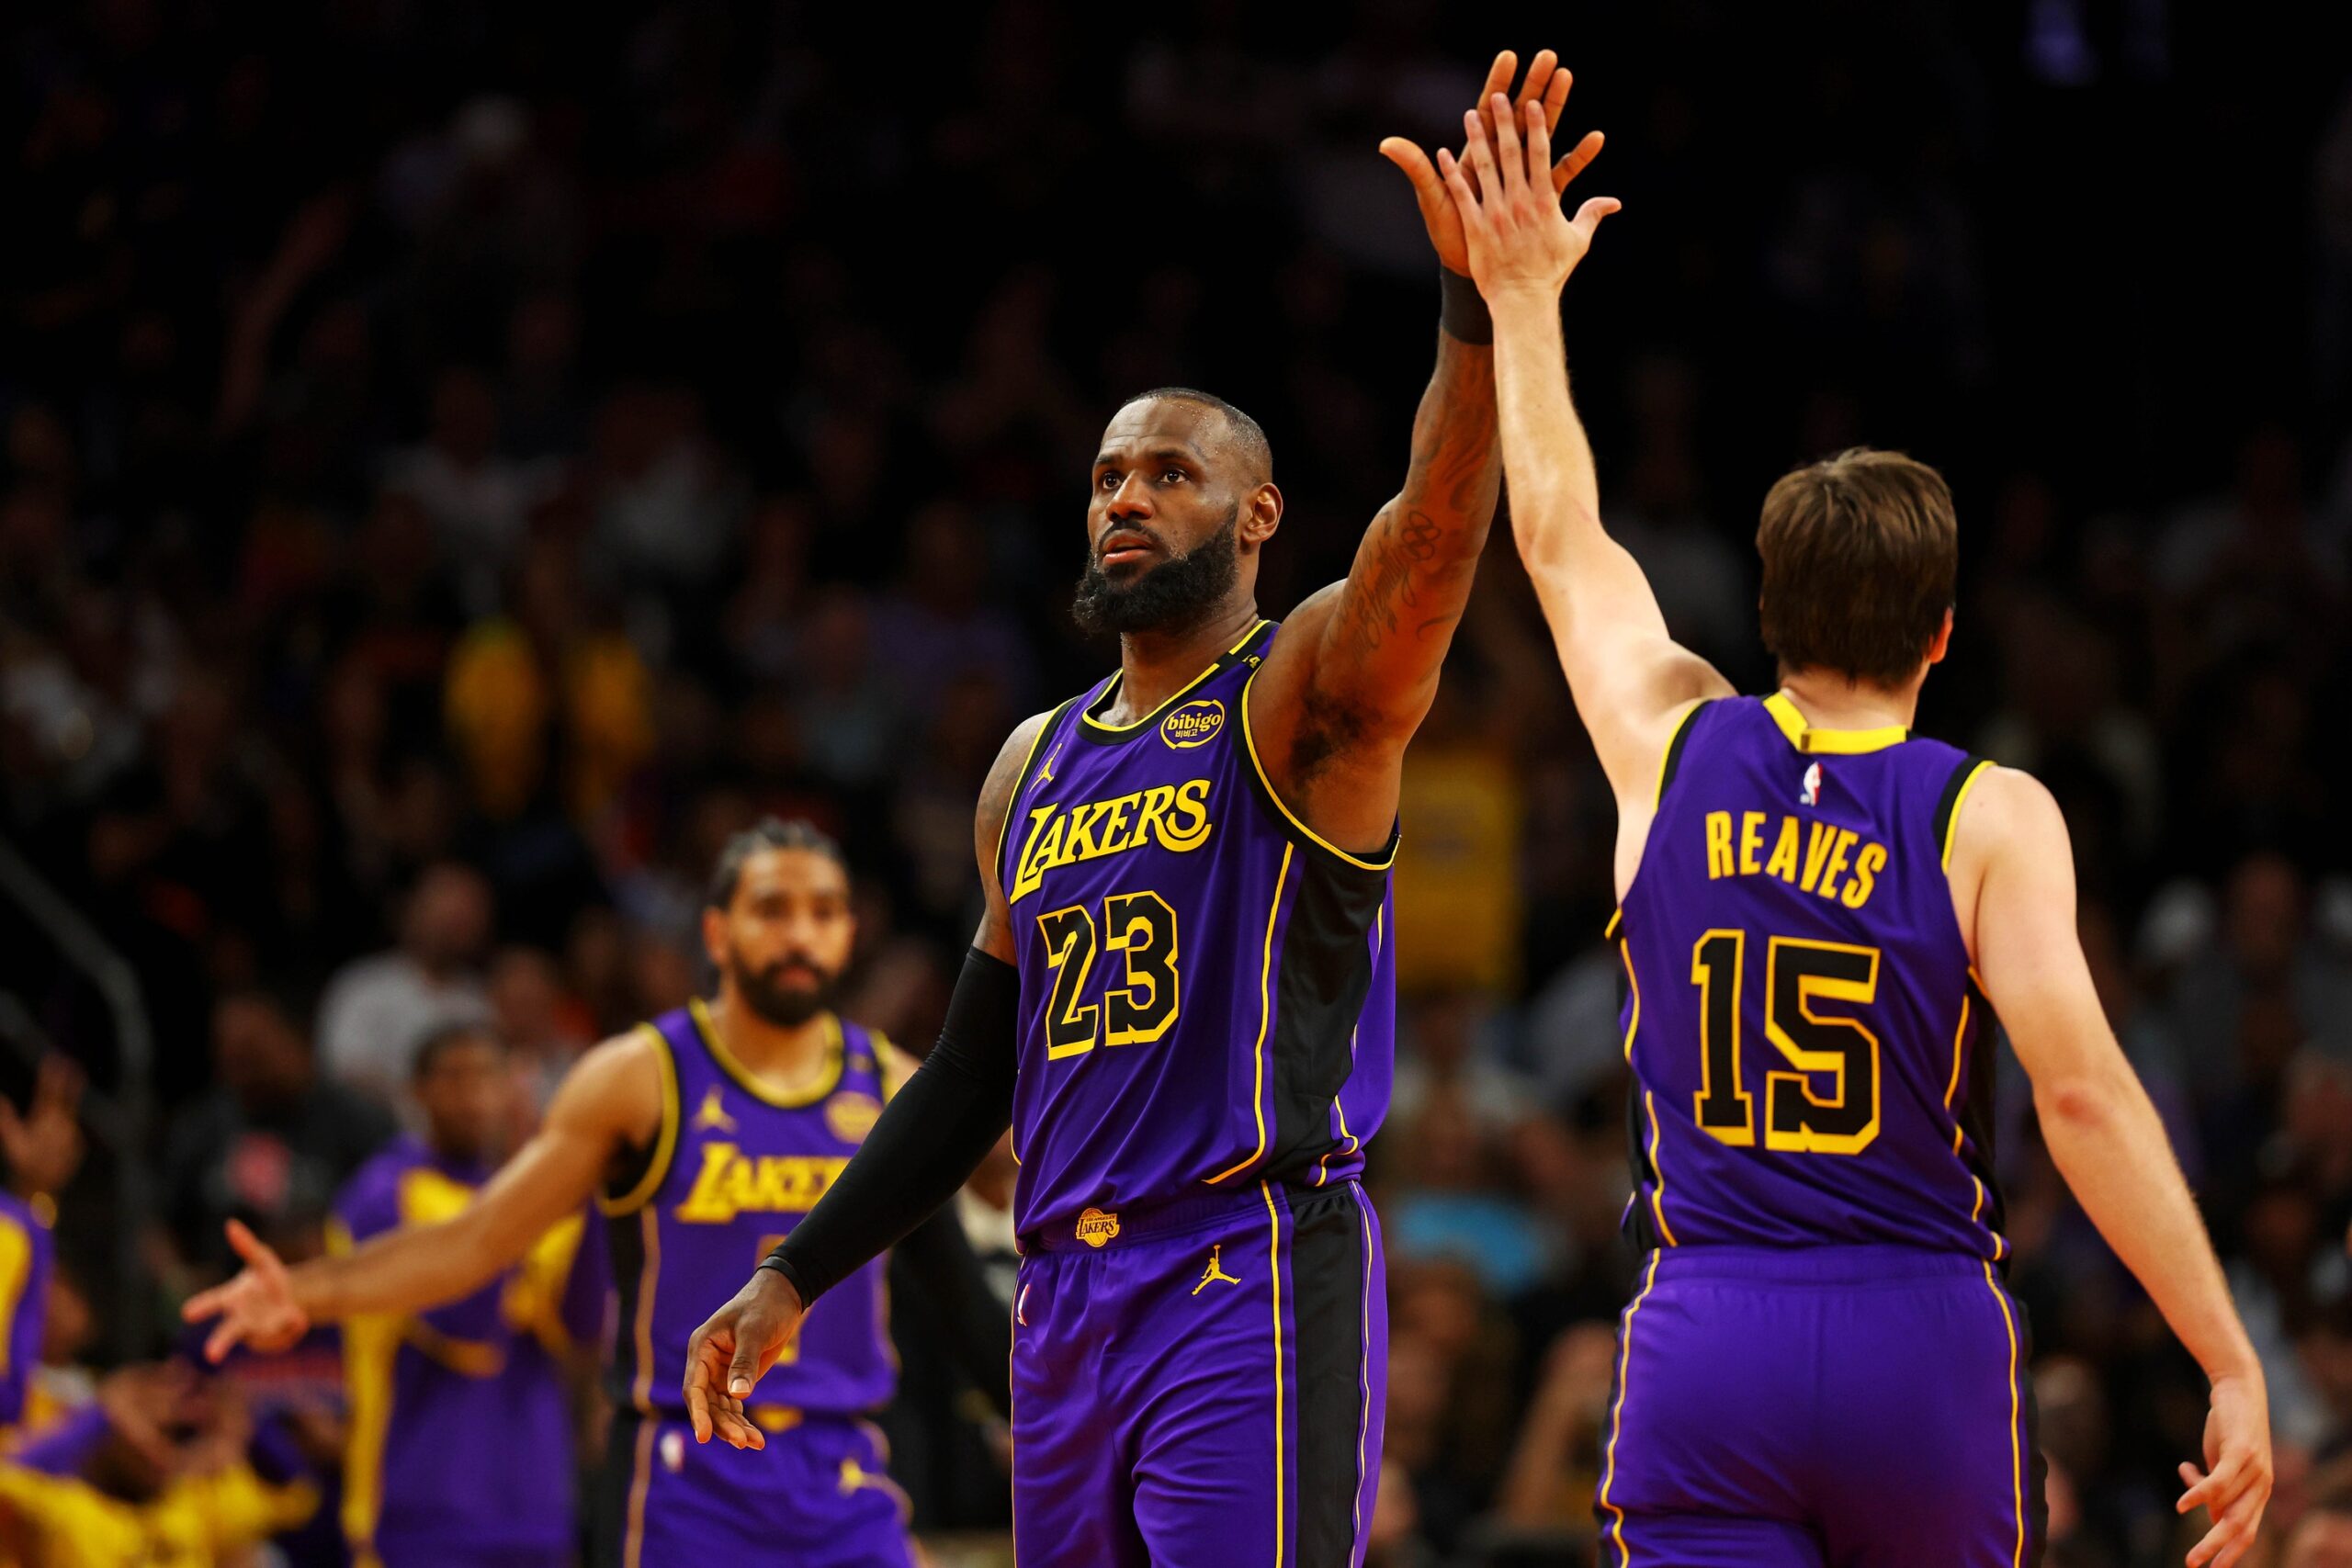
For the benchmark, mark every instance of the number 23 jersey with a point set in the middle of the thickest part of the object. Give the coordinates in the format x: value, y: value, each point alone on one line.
x: 1812, y: 1058
x: 1207, y: 990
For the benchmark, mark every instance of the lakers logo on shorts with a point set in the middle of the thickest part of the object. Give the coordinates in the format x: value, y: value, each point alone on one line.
x: 1096, y: 1228
x: 1194, y: 724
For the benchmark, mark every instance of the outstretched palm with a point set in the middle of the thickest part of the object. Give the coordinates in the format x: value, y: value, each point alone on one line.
x: 1545, y: 86
x: 1515, y: 233
x: 256, y: 1308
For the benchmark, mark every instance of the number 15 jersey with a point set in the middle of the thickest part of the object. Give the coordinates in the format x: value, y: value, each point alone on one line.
x: 1812, y: 1058
x: 1207, y: 990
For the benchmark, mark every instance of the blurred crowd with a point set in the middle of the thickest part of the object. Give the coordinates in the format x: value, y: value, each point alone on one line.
x: 462, y: 462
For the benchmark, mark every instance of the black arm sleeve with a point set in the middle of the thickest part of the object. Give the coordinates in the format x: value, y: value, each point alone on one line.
x: 973, y: 1325
x: 931, y: 1138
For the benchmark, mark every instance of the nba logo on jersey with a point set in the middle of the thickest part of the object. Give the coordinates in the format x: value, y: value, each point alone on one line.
x: 1812, y: 796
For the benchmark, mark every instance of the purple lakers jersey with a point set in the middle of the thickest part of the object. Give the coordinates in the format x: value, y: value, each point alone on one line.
x: 1811, y: 1059
x: 460, y: 1416
x: 733, y: 1169
x: 1207, y: 990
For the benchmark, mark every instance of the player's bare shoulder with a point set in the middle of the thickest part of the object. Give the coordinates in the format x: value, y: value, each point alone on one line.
x: 615, y: 1090
x: 1004, y: 778
x: 2006, y: 822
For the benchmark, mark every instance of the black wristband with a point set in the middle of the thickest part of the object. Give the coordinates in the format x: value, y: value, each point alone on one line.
x: 777, y: 1262
x: 1462, y: 311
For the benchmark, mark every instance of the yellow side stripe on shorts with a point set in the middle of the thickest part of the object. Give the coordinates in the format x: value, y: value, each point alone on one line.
x: 2016, y: 1453
x: 1275, y: 1269
x: 1617, y: 1417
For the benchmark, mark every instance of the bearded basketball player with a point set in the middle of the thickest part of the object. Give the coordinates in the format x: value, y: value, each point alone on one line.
x: 1181, y: 996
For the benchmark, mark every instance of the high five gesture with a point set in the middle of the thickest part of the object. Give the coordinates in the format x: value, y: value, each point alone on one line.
x: 1514, y: 234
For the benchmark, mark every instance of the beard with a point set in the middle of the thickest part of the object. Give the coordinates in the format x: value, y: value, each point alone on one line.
x: 1174, y: 593
x: 779, y: 998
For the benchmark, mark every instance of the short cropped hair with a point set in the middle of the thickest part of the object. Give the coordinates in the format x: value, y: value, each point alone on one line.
x: 439, y: 1041
x: 1249, y: 435
x: 767, y: 834
x: 1860, y: 554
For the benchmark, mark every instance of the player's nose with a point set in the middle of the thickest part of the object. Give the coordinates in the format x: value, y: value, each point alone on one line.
x: 1131, y: 501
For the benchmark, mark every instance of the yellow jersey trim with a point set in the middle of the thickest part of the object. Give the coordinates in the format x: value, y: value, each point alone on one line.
x: 1086, y: 713
x: 1649, y: 1100
x: 1021, y: 779
x: 370, y: 1343
x: 1951, y: 825
x: 750, y: 1084
x: 665, y: 1141
x: 1617, y: 1417
x: 1832, y: 742
x: 1249, y: 743
x: 1265, y: 1017
x: 1673, y: 743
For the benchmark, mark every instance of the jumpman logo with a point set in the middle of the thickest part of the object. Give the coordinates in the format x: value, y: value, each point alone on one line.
x: 1046, y: 774
x: 1214, y: 1271
x: 712, y: 1116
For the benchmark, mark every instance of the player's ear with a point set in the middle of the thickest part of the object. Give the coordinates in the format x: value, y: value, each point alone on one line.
x: 1262, y: 514
x: 1942, y: 643
x: 714, y: 935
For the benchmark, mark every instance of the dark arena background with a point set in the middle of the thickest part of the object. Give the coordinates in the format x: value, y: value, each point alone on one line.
x: 462, y: 462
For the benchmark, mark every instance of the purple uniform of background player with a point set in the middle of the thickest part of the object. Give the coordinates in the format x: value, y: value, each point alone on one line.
x: 1811, y: 1071
x: 26, y: 1250
x: 1207, y: 1032
x: 735, y: 1168
x: 461, y: 1415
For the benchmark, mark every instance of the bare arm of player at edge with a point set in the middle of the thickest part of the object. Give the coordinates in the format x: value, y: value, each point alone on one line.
x: 610, y: 1101
x: 2012, y: 871
x: 1339, y: 697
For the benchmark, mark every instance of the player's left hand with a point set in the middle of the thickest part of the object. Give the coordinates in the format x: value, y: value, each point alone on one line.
x: 1545, y: 84
x: 1517, y: 238
x: 2234, y: 1485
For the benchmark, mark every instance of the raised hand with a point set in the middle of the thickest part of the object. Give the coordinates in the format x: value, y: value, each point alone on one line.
x: 1546, y: 84
x: 732, y: 1351
x: 1515, y: 233
x: 2234, y: 1485
x: 256, y: 1308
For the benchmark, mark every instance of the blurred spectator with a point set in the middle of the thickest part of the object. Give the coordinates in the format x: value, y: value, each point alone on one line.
x: 271, y: 1143
x: 376, y: 1010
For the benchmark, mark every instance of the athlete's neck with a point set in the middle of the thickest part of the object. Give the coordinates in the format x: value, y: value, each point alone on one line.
x: 1829, y: 701
x: 1156, y: 665
x: 787, y: 1057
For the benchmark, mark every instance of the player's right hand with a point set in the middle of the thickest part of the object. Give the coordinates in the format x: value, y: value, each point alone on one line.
x: 2234, y: 1485
x: 1517, y: 236
x: 256, y: 1308
x: 732, y: 1352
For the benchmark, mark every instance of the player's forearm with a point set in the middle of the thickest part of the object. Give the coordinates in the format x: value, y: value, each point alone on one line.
x: 1411, y: 577
x: 1554, y: 491
x: 401, y: 1271
x: 931, y: 1136
x: 2110, y: 1147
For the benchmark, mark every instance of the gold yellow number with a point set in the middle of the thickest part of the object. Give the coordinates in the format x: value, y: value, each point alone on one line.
x: 1070, y: 954
x: 1799, y: 1117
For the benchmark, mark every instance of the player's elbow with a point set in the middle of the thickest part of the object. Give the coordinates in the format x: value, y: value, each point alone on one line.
x: 2084, y: 1103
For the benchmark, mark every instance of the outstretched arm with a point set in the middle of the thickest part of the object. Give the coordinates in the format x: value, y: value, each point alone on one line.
x: 1356, y: 670
x: 2103, y: 1132
x: 929, y: 1139
x: 610, y: 1100
x: 1631, y: 680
